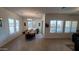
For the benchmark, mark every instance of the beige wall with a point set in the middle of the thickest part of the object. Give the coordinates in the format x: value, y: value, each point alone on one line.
x: 43, y: 18
x: 49, y: 17
x: 5, y: 36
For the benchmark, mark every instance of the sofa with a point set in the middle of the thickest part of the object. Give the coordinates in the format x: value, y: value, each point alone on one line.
x: 75, y: 39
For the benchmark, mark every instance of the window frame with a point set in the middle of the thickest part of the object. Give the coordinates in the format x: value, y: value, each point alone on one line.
x: 56, y: 26
x: 76, y: 26
x: 51, y: 27
x: 17, y: 26
x: 29, y: 20
x: 15, y: 30
x: 63, y: 27
x: 71, y: 26
x: 11, y: 26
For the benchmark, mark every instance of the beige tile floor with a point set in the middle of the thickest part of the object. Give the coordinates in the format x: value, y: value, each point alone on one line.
x: 39, y: 44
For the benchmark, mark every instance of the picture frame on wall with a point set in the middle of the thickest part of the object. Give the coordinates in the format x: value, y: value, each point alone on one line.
x: 46, y: 25
x: 0, y: 22
x: 24, y: 23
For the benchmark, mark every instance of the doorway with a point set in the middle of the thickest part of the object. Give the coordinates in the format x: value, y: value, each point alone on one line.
x: 35, y: 24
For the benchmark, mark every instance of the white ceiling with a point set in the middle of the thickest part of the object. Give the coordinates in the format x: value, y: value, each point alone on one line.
x: 39, y: 11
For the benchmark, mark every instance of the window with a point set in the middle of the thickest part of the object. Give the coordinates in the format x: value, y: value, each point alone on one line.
x: 11, y: 26
x: 59, y: 26
x: 74, y: 26
x: 70, y: 26
x: 29, y: 23
x: 17, y: 25
x: 67, y: 26
x: 56, y: 26
x: 53, y: 26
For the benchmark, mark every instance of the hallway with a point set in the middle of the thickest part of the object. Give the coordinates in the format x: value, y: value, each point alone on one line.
x: 38, y: 44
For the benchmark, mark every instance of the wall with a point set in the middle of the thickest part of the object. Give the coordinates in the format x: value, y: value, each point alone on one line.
x: 5, y: 36
x: 24, y: 20
x: 36, y: 25
x: 49, y: 17
x: 43, y: 18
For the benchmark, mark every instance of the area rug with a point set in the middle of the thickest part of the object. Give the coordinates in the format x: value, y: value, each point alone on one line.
x: 71, y: 46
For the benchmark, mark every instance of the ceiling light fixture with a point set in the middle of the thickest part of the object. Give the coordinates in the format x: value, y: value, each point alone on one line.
x: 63, y: 7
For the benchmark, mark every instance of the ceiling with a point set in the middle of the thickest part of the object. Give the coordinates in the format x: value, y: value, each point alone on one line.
x: 39, y: 11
